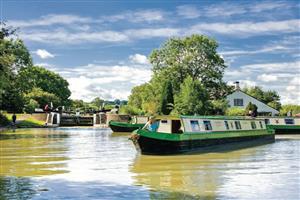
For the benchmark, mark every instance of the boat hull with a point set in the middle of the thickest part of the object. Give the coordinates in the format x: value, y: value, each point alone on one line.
x: 124, y: 127
x: 155, y: 146
x: 285, y: 129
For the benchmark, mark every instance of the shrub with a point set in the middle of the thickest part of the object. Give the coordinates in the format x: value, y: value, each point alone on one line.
x: 235, y: 111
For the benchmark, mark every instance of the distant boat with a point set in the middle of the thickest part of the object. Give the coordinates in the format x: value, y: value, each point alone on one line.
x: 284, y: 125
x: 193, y: 133
x: 124, y: 126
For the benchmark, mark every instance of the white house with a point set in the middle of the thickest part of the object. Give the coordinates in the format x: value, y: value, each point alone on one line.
x: 241, y: 99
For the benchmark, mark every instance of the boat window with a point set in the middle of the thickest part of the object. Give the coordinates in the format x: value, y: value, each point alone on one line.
x: 207, y: 125
x: 226, y: 125
x: 164, y: 121
x: 267, y: 121
x: 231, y: 124
x: 237, y: 125
x: 253, y: 125
x: 195, y: 125
x: 289, y: 121
x: 261, y: 125
x: 176, y: 126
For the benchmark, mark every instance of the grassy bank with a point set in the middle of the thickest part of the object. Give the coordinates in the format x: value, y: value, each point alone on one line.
x: 23, y: 121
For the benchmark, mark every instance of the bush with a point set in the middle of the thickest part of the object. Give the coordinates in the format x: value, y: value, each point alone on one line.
x: 289, y: 107
x: 235, y: 111
x: 3, y: 120
x: 32, y: 104
x: 130, y: 110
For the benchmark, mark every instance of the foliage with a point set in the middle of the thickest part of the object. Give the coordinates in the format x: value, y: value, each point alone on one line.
x: 250, y: 107
x: 268, y: 97
x: 235, y: 111
x: 31, y: 105
x: 13, y: 100
x: 48, y: 81
x: 42, y: 97
x: 4, y: 121
x: 218, y: 107
x: 97, y: 102
x: 13, y: 56
x: 167, y: 99
x: 192, y: 98
x: 195, y: 56
x: 130, y: 110
x: 289, y: 107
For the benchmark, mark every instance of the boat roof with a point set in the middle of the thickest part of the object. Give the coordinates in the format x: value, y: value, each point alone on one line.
x: 220, y: 117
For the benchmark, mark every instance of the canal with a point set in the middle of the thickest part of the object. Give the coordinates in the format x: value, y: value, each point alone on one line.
x: 94, y: 163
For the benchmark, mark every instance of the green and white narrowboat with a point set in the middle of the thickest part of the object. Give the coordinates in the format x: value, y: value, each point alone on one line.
x: 136, y: 123
x: 192, y: 133
x: 284, y: 125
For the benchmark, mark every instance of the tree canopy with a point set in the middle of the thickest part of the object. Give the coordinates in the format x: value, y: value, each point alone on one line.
x: 269, y: 97
x: 195, y: 56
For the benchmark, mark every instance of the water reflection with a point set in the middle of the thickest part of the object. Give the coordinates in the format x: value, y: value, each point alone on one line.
x: 199, y: 175
x: 33, y: 153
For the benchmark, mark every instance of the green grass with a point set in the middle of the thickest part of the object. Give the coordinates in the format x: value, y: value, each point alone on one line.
x: 30, y: 123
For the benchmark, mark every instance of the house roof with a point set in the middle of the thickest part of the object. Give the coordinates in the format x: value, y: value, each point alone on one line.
x: 253, y: 98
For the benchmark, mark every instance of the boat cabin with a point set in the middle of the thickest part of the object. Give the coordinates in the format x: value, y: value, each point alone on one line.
x: 290, y: 121
x: 204, y: 124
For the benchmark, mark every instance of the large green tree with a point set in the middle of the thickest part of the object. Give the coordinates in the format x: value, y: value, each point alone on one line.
x: 42, y: 97
x: 13, y: 56
x: 195, y: 56
x: 48, y: 81
x: 192, y: 98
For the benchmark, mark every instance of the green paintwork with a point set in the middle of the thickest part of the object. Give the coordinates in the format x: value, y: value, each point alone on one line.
x: 125, y: 124
x: 199, y: 136
x: 272, y: 126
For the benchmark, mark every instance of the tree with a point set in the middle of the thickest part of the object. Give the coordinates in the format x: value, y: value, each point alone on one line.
x: 13, y: 56
x: 31, y: 105
x: 195, y: 56
x: 192, y: 98
x: 167, y: 99
x: 270, y: 98
x: 48, y: 81
x: 42, y: 97
x: 289, y: 107
x: 218, y: 107
x: 97, y: 102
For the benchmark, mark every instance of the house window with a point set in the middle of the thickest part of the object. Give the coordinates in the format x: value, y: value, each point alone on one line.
x: 238, y: 102
x: 237, y: 125
x: 253, y: 125
x: 289, y: 121
x: 195, y: 125
x: 226, y: 125
x: 207, y: 125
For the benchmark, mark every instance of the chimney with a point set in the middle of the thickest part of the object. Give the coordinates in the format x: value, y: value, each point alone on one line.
x: 237, y: 85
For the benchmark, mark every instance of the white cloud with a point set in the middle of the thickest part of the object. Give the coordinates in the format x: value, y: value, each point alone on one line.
x: 188, y: 11
x: 267, y: 78
x: 51, y: 19
x: 281, y: 77
x: 248, y: 28
x: 44, y: 54
x: 138, y: 59
x: 108, y: 82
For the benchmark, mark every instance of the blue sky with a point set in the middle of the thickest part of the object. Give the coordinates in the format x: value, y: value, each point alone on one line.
x: 101, y: 47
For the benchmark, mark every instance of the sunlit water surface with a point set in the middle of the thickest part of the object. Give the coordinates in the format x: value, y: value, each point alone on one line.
x: 94, y: 163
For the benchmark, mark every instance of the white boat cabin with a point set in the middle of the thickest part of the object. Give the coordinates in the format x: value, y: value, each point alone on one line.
x: 290, y: 121
x: 208, y: 124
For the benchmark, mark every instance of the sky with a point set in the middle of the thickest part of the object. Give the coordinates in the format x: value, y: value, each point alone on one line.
x: 101, y: 47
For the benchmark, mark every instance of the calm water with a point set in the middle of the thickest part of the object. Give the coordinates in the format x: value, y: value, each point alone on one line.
x: 91, y: 163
